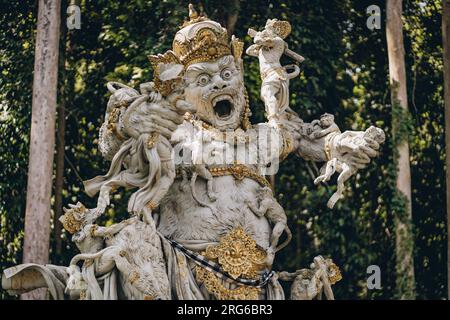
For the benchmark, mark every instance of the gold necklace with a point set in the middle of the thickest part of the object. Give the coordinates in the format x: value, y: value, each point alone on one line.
x: 236, y: 136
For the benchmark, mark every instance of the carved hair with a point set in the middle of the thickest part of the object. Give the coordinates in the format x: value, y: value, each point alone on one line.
x: 280, y: 28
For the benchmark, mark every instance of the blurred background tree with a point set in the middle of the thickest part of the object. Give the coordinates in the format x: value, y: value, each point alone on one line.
x: 345, y: 73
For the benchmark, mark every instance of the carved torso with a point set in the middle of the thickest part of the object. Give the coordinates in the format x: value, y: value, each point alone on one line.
x: 183, y: 218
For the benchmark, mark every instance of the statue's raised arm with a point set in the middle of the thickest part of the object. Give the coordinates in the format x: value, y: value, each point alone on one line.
x: 321, y: 140
x: 135, y: 137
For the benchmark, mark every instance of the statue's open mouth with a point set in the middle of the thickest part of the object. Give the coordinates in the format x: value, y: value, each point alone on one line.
x: 223, y: 106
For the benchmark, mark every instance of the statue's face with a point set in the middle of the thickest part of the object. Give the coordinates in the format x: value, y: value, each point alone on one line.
x: 266, y: 192
x: 216, y: 89
x: 376, y: 134
x: 263, y: 36
x: 326, y: 120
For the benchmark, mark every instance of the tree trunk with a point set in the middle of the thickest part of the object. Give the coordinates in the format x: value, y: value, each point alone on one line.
x: 59, y: 175
x: 233, y: 15
x: 60, y: 138
x: 446, y: 46
x: 42, y: 138
x: 403, y: 220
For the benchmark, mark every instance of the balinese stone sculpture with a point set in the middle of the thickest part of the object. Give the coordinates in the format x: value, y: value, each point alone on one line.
x: 269, y: 47
x: 204, y: 223
x: 310, y: 283
x: 268, y: 207
x: 339, y: 163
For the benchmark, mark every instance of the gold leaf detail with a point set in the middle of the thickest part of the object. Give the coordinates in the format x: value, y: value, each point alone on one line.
x: 238, y: 255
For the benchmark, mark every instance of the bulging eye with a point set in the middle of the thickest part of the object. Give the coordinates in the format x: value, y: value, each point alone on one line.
x: 226, y: 74
x: 203, y: 79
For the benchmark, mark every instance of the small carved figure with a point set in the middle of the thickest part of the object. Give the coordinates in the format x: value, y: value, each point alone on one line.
x: 111, y: 132
x: 304, y: 286
x: 272, y: 210
x: 157, y: 152
x: 195, y: 144
x: 324, y: 126
x: 88, y: 237
x: 310, y: 283
x: 269, y: 46
x: 340, y: 163
x: 90, y: 240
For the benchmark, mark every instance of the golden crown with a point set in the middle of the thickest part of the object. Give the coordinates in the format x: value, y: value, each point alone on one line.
x: 207, y: 45
x: 199, y: 40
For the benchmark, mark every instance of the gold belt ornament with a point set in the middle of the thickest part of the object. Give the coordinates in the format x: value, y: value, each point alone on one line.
x: 215, y: 287
x: 238, y: 255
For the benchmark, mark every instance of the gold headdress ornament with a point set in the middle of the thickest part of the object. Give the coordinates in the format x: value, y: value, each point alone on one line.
x: 199, y: 40
x: 158, y: 61
x: 194, y: 16
x: 280, y: 28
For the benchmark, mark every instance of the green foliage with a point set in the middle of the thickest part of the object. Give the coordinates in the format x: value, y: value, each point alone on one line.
x: 17, y: 56
x: 345, y: 73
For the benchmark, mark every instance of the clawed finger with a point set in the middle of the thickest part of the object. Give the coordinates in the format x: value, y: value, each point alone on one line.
x: 369, y: 151
x: 372, y: 143
x: 357, y: 165
x: 164, y: 123
x: 361, y: 157
x: 161, y: 129
x: 166, y: 112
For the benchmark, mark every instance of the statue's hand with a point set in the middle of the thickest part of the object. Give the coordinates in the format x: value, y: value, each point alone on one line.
x: 162, y: 117
x: 75, y: 281
x: 359, y: 154
x: 177, y: 100
x: 103, y: 201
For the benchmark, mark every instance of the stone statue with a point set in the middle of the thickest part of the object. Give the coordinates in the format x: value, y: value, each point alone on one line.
x: 323, y: 127
x: 273, y: 211
x: 309, y: 284
x: 269, y: 47
x: 204, y: 223
x: 339, y: 164
x: 195, y: 143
